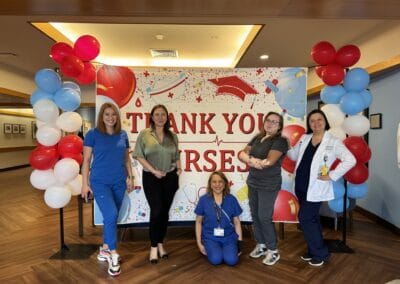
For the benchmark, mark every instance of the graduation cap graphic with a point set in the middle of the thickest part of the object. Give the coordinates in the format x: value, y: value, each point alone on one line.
x: 234, y: 86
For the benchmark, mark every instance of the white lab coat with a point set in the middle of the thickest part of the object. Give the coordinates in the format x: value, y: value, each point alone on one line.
x: 328, y: 151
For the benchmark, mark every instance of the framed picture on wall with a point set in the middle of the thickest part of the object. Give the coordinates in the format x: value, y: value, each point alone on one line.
x: 22, y: 128
x: 7, y: 128
x: 15, y: 128
x: 375, y: 120
x: 33, y: 129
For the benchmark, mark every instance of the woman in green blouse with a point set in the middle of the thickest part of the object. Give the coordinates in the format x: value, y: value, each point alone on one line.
x: 157, y: 151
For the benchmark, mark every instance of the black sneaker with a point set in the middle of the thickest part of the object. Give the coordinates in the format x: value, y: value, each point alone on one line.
x: 314, y: 262
x: 306, y: 257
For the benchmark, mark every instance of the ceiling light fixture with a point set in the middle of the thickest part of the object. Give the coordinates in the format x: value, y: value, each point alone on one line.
x: 264, y: 57
x: 159, y: 37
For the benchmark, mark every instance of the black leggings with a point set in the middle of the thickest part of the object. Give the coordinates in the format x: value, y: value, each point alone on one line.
x: 159, y: 194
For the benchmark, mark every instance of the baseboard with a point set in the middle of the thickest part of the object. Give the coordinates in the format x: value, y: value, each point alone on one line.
x: 14, y: 168
x: 378, y: 220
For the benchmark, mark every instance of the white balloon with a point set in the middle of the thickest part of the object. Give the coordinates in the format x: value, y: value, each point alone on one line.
x: 57, y: 196
x: 42, y: 179
x: 69, y: 121
x: 46, y: 110
x: 66, y: 170
x: 356, y: 125
x: 48, y: 135
x: 338, y: 132
x: 76, y: 185
x: 334, y: 114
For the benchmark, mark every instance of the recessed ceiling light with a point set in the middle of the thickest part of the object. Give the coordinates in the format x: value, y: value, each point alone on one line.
x: 160, y: 37
x: 264, y: 57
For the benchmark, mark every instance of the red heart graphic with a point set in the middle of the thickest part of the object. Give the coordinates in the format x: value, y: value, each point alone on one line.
x: 117, y: 83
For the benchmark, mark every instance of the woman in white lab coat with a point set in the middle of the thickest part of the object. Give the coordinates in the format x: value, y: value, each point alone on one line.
x: 314, y: 154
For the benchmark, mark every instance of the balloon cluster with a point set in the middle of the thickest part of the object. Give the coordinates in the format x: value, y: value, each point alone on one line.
x: 74, y: 61
x: 56, y: 159
x: 343, y: 104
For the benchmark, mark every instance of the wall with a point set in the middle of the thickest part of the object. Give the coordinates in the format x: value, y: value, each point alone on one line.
x: 11, y: 141
x: 383, y: 197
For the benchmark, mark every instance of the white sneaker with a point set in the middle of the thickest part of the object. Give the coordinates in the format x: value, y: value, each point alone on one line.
x: 103, y: 254
x: 272, y: 257
x: 258, y: 251
x: 114, y: 267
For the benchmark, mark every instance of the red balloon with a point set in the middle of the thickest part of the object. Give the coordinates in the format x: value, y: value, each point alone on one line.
x: 88, y: 75
x: 71, y: 66
x: 366, y: 156
x: 357, y: 174
x: 288, y: 165
x: 43, y: 158
x: 323, y: 53
x: 319, y: 70
x: 117, y: 83
x: 77, y: 157
x: 286, y: 207
x: 333, y: 74
x: 293, y: 132
x: 59, y: 50
x: 87, y: 47
x: 348, y: 55
x: 70, y: 144
x: 357, y: 146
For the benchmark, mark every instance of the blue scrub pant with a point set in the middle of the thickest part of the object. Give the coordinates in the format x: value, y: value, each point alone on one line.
x: 310, y: 225
x: 109, y: 199
x: 221, y: 251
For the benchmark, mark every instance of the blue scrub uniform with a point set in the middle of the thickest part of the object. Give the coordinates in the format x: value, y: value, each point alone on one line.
x: 108, y: 177
x: 219, y: 249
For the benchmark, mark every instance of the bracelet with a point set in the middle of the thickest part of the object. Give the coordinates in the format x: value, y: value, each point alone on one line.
x: 178, y: 169
x: 132, y: 177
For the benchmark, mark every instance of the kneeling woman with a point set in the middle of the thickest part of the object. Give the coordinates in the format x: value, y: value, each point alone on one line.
x: 218, y: 229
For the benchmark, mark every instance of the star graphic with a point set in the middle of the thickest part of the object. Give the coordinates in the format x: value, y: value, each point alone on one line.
x: 199, y: 99
x: 146, y: 74
x: 259, y: 71
x: 170, y: 95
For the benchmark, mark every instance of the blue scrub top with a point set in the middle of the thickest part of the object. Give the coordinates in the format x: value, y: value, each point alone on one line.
x: 108, y: 151
x: 206, y: 208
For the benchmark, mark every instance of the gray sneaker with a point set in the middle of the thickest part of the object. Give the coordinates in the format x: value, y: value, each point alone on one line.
x: 259, y: 251
x: 272, y: 257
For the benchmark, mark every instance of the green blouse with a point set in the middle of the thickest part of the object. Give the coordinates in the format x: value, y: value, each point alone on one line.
x: 162, y: 156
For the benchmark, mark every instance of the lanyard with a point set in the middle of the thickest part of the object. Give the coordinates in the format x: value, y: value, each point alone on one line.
x: 218, y: 212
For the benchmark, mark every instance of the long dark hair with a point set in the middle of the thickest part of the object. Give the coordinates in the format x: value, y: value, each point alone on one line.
x: 227, y: 188
x: 100, y: 121
x: 314, y: 111
x: 167, y: 125
x: 278, y: 133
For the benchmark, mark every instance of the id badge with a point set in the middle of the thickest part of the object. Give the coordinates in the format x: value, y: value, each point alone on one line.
x: 218, y: 232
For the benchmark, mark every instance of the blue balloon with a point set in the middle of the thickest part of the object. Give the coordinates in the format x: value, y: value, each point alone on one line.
x: 337, y: 204
x: 38, y: 95
x: 352, y: 103
x: 71, y: 85
x: 357, y: 190
x: 332, y: 94
x: 356, y: 80
x: 367, y: 97
x: 338, y: 189
x: 48, y: 80
x: 67, y: 99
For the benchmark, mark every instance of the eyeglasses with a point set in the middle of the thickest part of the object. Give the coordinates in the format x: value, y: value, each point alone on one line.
x: 275, y: 122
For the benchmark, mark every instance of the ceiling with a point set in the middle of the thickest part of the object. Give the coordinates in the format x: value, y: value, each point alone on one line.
x: 289, y: 27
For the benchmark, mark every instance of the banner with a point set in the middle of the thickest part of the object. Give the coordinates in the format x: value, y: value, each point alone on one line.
x: 214, y: 112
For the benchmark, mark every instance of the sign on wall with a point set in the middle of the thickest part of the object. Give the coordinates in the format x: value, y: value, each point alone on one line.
x: 215, y: 113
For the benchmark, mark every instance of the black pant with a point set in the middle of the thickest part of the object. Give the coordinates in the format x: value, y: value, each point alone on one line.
x: 159, y: 194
